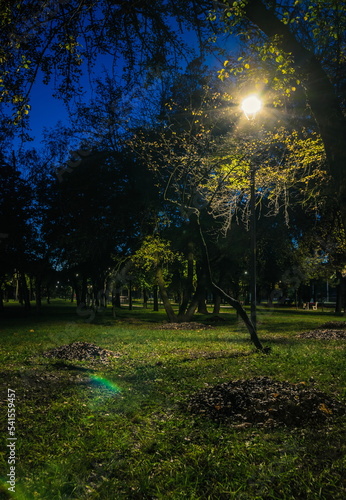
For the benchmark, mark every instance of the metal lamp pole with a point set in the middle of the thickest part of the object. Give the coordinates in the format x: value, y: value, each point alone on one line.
x: 253, y: 274
x: 250, y: 106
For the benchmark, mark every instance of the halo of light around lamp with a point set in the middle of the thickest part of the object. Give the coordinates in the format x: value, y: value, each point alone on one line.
x: 251, y: 105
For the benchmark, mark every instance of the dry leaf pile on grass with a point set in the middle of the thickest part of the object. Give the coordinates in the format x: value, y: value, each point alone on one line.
x: 261, y: 401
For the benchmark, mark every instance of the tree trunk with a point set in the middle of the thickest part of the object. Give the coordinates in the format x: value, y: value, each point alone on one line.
x: 202, y: 285
x: 156, y: 298
x: 114, y: 303
x: 198, y: 299
x: 233, y: 302
x: 145, y: 298
x: 116, y: 299
x: 188, y: 282
x: 38, y: 294
x: 76, y: 290
x: 130, y: 295
x: 340, y: 294
x: 84, y: 291
x: 198, y: 296
x: 319, y: 91
x: 242, y: 313
x: 202, y: 305
x: 31, y: 290
x: 166, y: 303
x: 24, y: 291
x: 217, y: 303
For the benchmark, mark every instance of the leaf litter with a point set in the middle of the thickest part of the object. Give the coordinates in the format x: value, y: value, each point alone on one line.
x: 264, y: 402
x: 81, y: 351
x: 332, y: 330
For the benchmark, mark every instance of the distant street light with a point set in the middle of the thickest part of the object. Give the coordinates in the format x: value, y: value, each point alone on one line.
x: 250, y: 106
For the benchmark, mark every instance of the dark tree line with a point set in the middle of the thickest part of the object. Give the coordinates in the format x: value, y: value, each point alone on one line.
x: 82, y: 224
x: 183, y: 170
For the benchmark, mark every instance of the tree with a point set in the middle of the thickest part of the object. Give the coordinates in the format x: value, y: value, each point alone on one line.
x: 303, y: 45
x: 297, y: 38
x: 57, y: 39
x: 153, y: 258
x: 181, y: 154
x: 204, y: 164
x: 16, y: 236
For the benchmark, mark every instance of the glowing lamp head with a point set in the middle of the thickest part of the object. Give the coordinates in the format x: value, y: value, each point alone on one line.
x: 250, y: 106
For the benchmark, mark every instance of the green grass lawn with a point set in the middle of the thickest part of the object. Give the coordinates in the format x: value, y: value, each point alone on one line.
x: 120, y: 431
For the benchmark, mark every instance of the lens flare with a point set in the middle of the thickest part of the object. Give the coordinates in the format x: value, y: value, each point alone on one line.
x: 105, y: 383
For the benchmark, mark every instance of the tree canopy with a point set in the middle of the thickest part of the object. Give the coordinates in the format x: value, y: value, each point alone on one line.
x: 162, y: 153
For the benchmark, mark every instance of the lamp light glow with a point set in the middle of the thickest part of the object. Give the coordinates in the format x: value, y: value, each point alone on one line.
x: 251, y: 105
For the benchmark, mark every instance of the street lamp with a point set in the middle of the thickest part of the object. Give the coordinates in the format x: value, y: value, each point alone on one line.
x: 250, y: 106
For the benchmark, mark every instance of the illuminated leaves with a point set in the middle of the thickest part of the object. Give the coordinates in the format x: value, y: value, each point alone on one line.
x: 202, y: 171
x: 264, y: 64
x: 153, y: 252
x: 155, y: 255
x: 318, y: 26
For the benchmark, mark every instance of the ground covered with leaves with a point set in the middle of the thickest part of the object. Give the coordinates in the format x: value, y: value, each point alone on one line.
x: 262, y: 401
x: 126, y: 409
x: 81, y: 351
x: 333, y: 330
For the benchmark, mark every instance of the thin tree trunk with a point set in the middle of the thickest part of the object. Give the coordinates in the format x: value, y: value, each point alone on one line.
x: 1, y: 299
x: 38, y: 294
x: 188, y: 315
x: 188, y: 282
x: 156, y: 298
x: 338, y: 294
x: 242, y: 313
x: 84, y: 291
x: 130, y: 295
x: 25, y: 292
x: 145, y: 298
x: 166, y: 303
x: 233, y: 302
x: 31, y: 290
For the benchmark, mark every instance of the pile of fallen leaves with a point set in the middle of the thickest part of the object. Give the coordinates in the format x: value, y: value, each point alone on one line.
x: 81, y: 351
x: 333, y: 330
x: 261, y: 401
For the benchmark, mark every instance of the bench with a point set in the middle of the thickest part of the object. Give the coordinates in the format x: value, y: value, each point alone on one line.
x: 310, y: 305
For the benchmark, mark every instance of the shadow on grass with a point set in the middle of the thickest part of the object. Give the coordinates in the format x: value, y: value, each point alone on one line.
x: 60, y: 365
x: 299, y: 312
x: 38, y: 387
x: 279, y: 340
x: 215, y: 355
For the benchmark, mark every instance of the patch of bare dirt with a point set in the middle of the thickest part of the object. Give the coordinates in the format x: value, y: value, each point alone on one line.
x: 264, y: 402
x: 81, y: 351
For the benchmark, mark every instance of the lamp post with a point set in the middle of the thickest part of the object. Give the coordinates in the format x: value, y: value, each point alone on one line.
x: 250, y: 106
